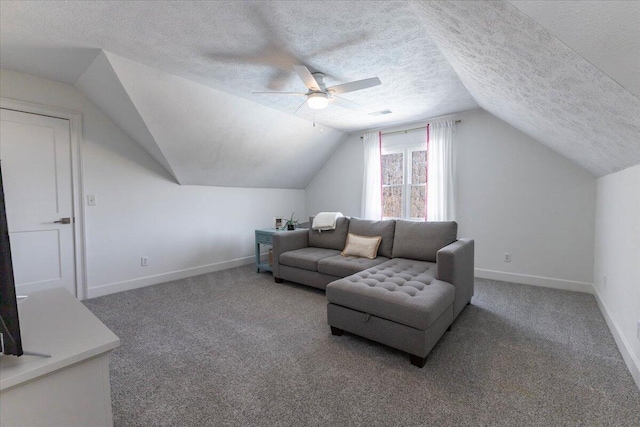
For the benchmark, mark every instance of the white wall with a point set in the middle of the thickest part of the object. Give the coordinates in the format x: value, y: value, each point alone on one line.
x: 617, y: 255
x: 142, y: 212
x: 338, y: 185
x: 514, y: 195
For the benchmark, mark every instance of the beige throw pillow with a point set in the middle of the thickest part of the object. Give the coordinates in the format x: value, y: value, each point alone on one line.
x: 361, y: 246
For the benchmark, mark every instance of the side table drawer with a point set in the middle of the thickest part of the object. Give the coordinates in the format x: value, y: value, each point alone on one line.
x: 264, y: 239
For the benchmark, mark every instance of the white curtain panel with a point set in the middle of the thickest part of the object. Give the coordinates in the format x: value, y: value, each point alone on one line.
x: 372, y: 182
x: 440, y: 184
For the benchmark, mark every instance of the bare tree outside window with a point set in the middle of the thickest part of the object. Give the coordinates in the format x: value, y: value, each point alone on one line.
x: 418, y: 183
x: 392, y: 202
x: 392, y: 183
x: 404, y: 178
x: 392, y: 169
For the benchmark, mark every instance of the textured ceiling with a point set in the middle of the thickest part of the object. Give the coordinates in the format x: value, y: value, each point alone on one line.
x: 562, y: 72
x: 605, y: 33
x: 240, y: 47
x: 519, y: 72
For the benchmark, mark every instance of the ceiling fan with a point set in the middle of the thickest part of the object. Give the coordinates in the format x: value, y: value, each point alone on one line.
x: 319, y: 95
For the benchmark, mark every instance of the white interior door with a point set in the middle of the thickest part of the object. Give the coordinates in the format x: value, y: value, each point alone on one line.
x: 35, y: 152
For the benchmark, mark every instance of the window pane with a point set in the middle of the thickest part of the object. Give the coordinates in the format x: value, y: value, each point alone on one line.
x: 419, y: 167
x: 417, y: 201
x: 392, y: 202
x: 392, y: 169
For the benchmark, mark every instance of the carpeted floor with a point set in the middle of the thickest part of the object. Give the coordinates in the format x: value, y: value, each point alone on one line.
x: 233, y: 348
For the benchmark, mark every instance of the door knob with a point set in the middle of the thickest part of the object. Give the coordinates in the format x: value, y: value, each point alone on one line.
x: 63, y: 221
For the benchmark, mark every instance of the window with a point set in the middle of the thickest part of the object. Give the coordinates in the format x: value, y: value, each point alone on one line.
x: 404, y: 183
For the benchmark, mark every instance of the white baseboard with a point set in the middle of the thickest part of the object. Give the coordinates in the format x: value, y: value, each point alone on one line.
x: 526, y: 279
x: 141, y: 282
x: 625, y: 349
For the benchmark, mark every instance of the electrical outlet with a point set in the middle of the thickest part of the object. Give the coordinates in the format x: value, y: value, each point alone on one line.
x: 91, y: 200
x: 507, y: 257
x: 604, y: 280
x: 638, y: 331
x: 144, y: 261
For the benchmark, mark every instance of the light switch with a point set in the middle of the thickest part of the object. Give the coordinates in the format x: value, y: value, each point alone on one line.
x: 91, y: 199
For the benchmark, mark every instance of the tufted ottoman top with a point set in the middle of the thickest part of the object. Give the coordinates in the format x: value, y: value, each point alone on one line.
x: 401, y: 290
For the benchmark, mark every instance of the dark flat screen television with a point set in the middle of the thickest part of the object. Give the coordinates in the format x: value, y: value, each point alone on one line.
x: 9, y: 322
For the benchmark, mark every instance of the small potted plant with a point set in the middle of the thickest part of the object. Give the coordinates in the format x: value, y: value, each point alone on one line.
x: 290, y: 223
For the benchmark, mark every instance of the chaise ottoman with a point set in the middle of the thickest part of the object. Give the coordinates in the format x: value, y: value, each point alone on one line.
x: 399, y: 303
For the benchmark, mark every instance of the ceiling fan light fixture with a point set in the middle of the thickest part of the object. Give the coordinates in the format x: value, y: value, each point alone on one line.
x: 318, y: 101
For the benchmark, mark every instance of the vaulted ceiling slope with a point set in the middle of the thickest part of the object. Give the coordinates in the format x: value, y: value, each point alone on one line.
x: 605, y: 33
x: 101, y: 84
x: 178, y: 76
x: 166, y: 73
x: 519, y: 72
x: 204, y: 136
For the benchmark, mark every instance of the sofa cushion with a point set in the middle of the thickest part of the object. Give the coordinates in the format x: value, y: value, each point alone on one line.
x: 384, y: 229
x: 342, y: 266
x: 401, y: 290
x: 306, y: 258
x: 330, y: 239
x: 422, y: 240
x: 361, y: 246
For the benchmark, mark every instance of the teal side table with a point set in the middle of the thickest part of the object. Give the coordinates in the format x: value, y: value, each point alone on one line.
x: 263, y: 237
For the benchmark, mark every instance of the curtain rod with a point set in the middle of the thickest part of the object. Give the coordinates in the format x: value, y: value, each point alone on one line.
x: 408, y: 130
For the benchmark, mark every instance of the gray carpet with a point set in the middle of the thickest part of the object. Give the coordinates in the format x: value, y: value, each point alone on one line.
x: 233, y: 348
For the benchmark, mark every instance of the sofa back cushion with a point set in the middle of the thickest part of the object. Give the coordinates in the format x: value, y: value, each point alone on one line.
x: 330, y: 239
x: 384, y: 229
x: 422, y: 240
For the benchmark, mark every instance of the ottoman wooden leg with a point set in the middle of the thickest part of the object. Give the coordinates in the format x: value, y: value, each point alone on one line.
x: 417, y: 360
x: 278, y: 280
x: 336, y: 331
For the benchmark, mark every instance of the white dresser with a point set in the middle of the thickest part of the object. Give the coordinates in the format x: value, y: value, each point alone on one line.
x: 71, y: 388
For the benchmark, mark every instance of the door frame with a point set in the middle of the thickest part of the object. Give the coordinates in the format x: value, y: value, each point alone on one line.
x: 77, y: 193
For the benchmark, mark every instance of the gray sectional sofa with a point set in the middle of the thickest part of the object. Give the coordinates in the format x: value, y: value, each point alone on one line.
x: 406, y: 297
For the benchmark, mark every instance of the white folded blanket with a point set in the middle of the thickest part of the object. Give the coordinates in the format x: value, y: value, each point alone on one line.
x: 326, y: 221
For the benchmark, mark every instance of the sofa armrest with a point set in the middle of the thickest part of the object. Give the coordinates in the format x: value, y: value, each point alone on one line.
x: 455, y: 265
x: 285, y: 241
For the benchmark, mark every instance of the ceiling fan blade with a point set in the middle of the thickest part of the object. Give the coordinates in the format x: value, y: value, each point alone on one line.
x: 352, y: 86
x: 280, y: 93
x: 306, y: 76
x: 345, y: 103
